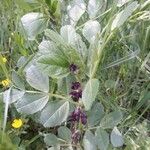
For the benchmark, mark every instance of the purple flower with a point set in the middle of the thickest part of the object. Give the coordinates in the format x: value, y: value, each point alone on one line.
x: 83, y: 118
x: 76, y: 136
x: 75, y: 85
x: 73, y: 68
x: 75, y: 95
x: 76, y: 92
x: 79, y: 115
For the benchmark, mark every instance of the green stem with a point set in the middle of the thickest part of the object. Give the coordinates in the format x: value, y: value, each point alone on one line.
x: 100, y: 54
x: 32, y: 140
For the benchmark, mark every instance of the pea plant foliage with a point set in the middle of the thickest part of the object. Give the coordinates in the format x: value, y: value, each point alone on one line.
x: 58, y: 86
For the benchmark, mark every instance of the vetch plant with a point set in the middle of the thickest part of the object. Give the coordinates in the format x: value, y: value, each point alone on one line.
x: 59, y: 87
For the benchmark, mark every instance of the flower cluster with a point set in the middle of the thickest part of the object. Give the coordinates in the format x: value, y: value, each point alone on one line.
x: 76, y: 92
x: 78, y: 115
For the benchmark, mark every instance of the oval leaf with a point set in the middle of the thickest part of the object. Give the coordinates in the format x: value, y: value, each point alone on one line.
x: 64, y: 133
x: 102, y: 138
x: 76, y: 10
x: 95, y: 114
x: 68, y: 33
x: 94, y: 6
x: 111, y: 120
x: 116, y: 138
x: 90, y: 30
x: 50, y: 140
x: 13, y: 94
x: 33, y: 23
x: 54, y: 114
x: 31, y: 103
x: 90, y: 92
x: 89, y: 141
x: 37, y: 79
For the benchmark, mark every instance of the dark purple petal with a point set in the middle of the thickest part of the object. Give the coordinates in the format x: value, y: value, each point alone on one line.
x: 75, y: 86
x: 75, y: 95
x: 73, y: 68
x: 83, y: 118
x: 78, y: 115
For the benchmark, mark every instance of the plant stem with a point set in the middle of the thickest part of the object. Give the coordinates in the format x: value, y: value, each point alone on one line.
x: 100, y: 54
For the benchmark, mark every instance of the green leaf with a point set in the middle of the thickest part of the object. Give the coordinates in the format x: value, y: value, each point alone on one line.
x: 89, y: 93
x: 52, y: 55
x: 102, y: 138
x: 111, y: 120
x: 13, y: 94
x: 55, y: 37
x: 70, y: 53
x: 17, y: 80
x: 64, y: 133
x: 90, y: 30
x: 116, y: 138
x: 53, y: 71
x: 33, y: 23
x: 50, y: 139
x: 54, y: 113
x: 68, y: 33
x: 37, y: 79
x: 124, y: 15
x: 76, y: 10
x: 31, y: 103
x: 95, y: 7
x: 95, y: 114
x: 89, y: 141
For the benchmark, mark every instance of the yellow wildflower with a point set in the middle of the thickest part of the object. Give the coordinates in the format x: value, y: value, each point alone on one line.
x: 4, y: 59
x: 6, y: 82
x: 17, y: 123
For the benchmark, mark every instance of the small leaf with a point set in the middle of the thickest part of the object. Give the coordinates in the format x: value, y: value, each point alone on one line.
x: 89, y: 141
x: 95, y: 114
x: 90, y: 92
x: 111, y: 120
x: 76, y: 10
x: 53, y: 71
x: 95, y: 6
x: 54, y: 114
x: 31, y: 103
x: 64, y: 133
x: 50, y: 139
x: 37, y: 79
x: 68, y: 33
x: 33, y: 23
x: 91, y: 30
x: 116, y: 138
x: 13, y: 94
x: 124, y: 15
x: 102, y: 138
x: 17, y: 80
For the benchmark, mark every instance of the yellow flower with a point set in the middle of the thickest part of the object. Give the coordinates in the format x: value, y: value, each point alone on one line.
x: 4, y: 60
x: 6, y: 82
x: 17, y: 123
